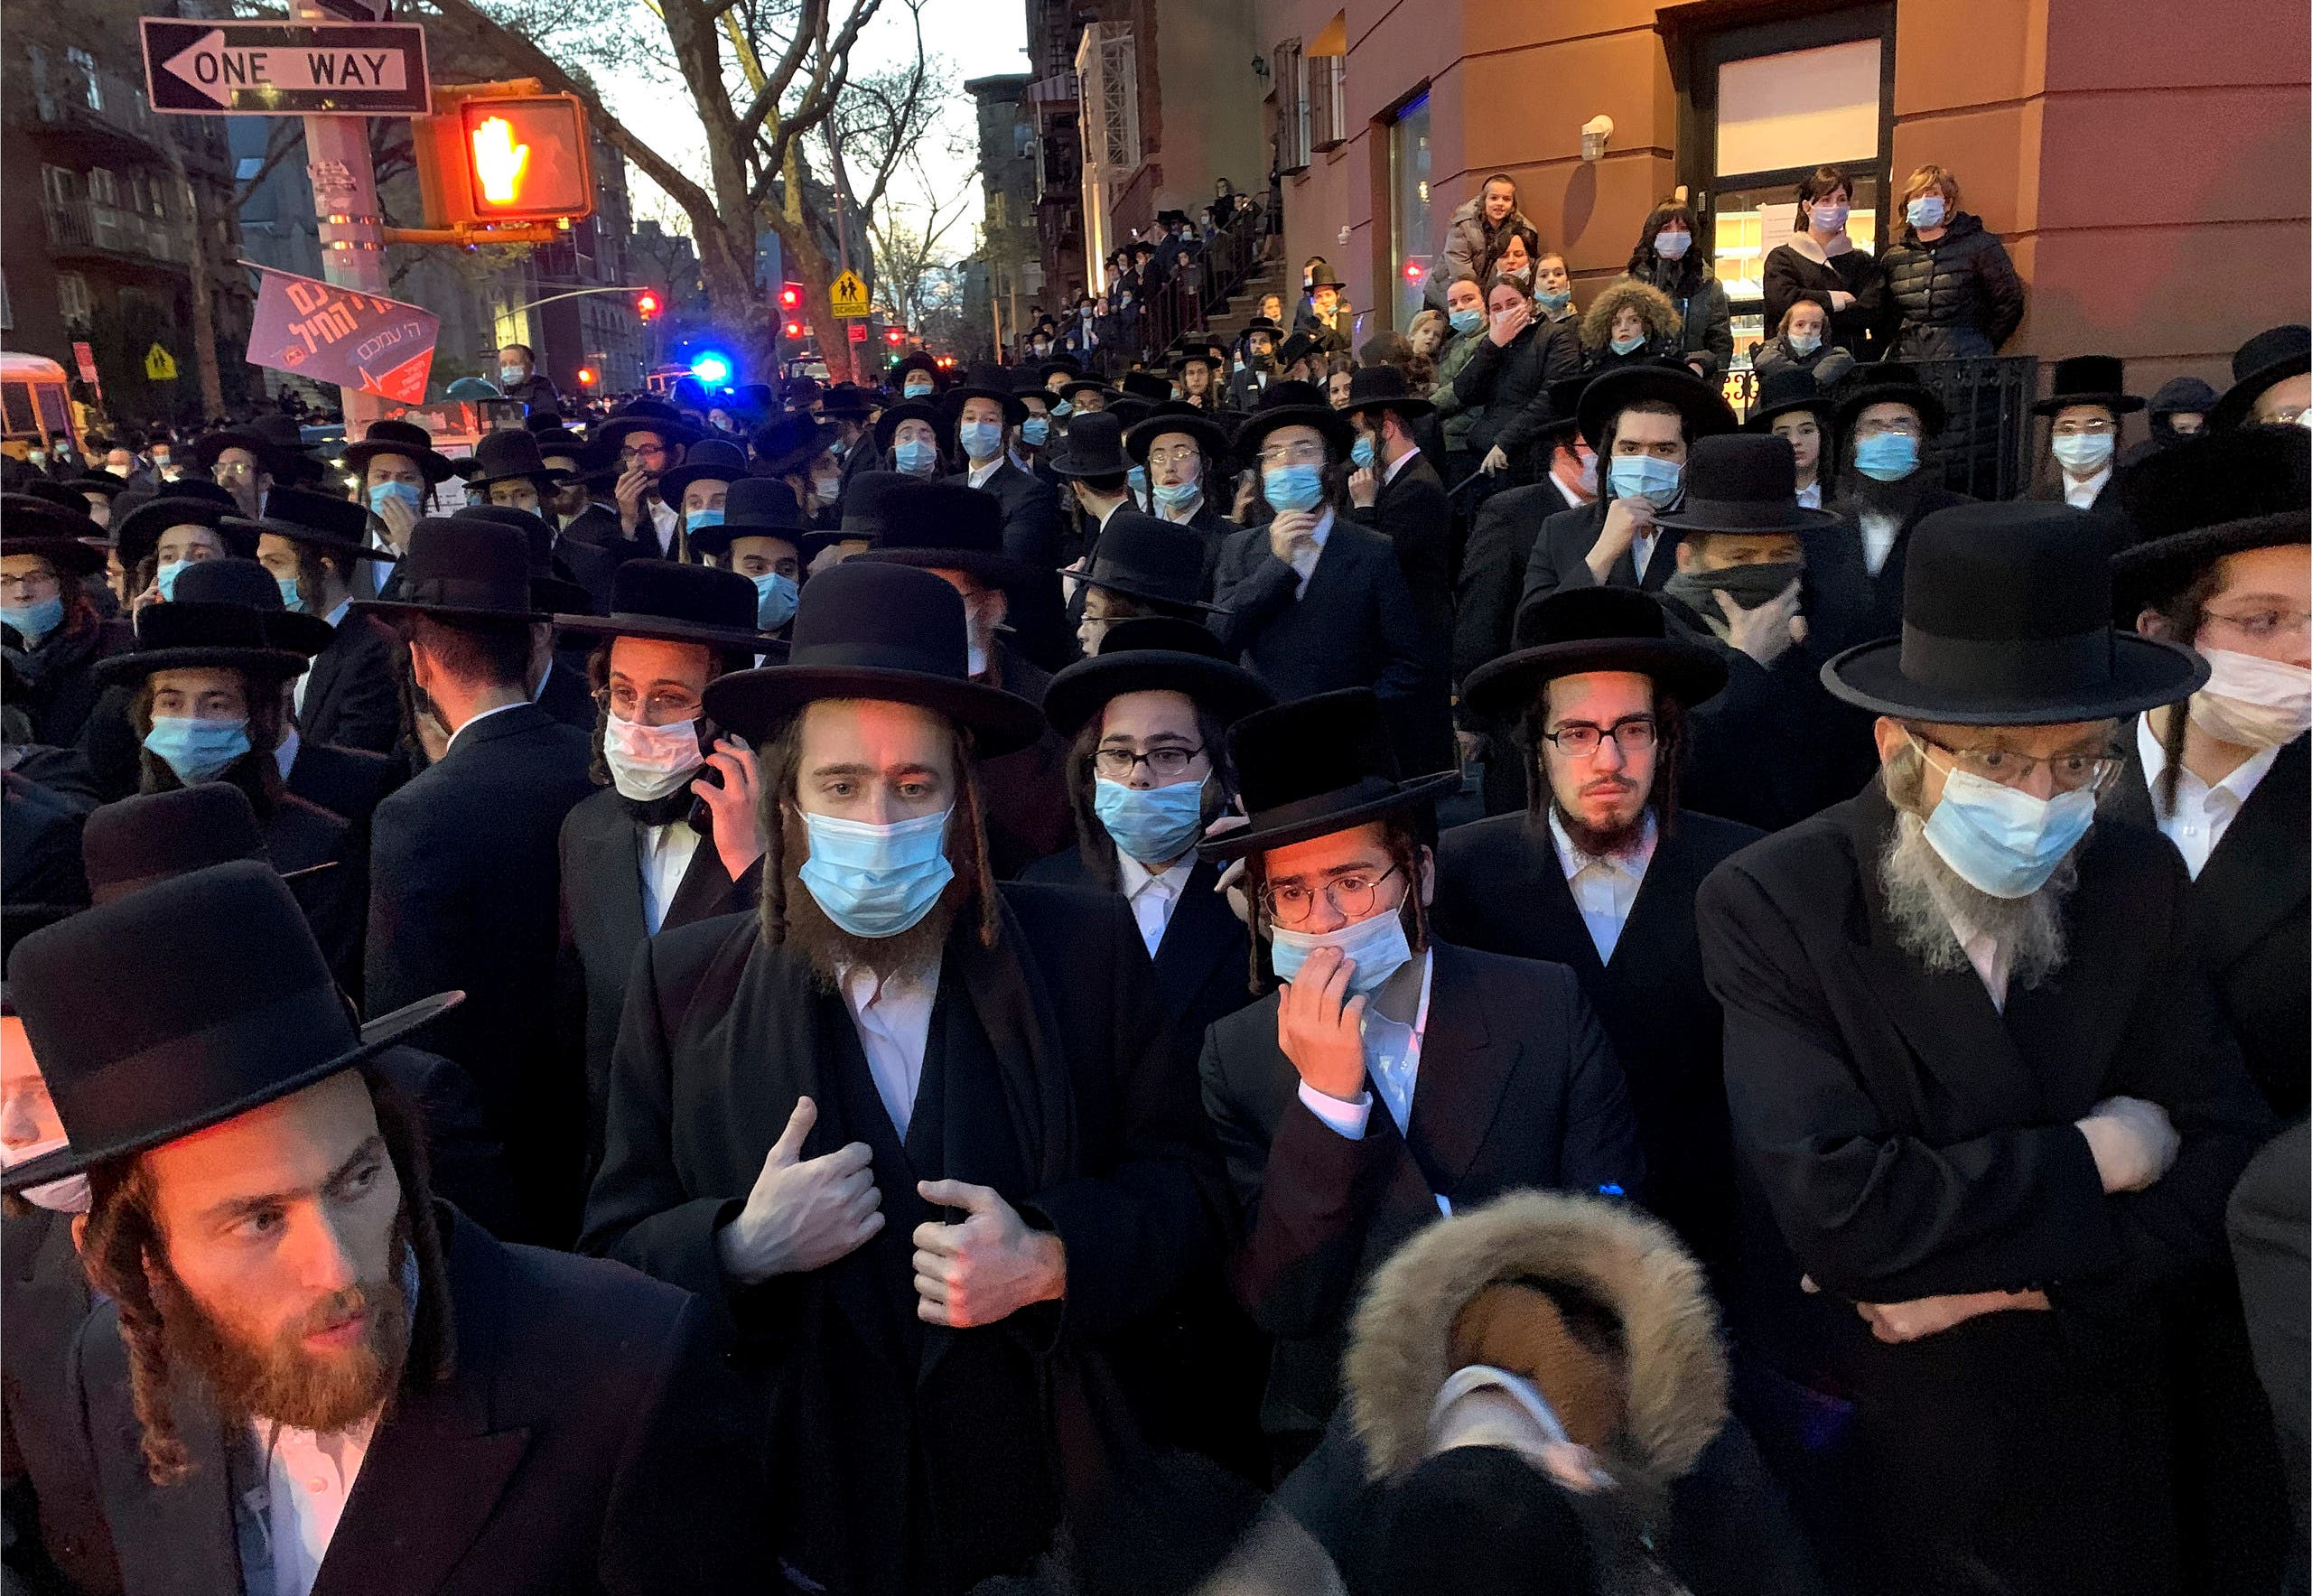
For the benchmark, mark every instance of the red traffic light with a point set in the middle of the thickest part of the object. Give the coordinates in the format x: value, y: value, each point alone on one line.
x: 894, y: 335
x: 587, y: 376
x: 646, y: 305
x: 790, y: 297
x: 794, y: 329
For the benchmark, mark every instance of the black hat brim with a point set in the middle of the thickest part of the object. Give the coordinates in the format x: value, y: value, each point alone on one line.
x: 545, y: 477
x: 1502, y: 689
x: 2238, y: 401
x: 667, y: 629
x: 454, y: 612
x: 1762, y: 417
x: 2144, y: 675
x: 1260, y: 423
x: 2153, y: 570
x: 1703, y: 407
x: 327, y: 543
x: 1210, y: 436
x: 375, y: 1037
x: 69, y: 556
x: 1411, y: 406
x: 987, y: 564
x: 434, y: 466
x: 674, y: 484
x: 1743, y: 516
x: 1015, y: 409
x: 717, y: 539
x: 1254, y: 838
x: 2117, y: 403
x: 137, y: 664
x: 612, y: 432
x: 1083, y: 689
x: 749, y: 703
x: 1932, y: 413
x: 1166, y: 603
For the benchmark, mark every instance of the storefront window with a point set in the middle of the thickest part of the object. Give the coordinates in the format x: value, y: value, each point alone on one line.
x: 1413, y: 239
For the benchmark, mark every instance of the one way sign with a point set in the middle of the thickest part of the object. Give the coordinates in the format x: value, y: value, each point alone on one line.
x: 266, y: 68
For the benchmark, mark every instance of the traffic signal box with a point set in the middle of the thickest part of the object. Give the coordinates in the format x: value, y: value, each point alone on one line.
x: 503, y: 154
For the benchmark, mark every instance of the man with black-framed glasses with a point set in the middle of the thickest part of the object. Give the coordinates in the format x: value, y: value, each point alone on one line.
x: 1980, y: 1086
x: 1391, y: 1077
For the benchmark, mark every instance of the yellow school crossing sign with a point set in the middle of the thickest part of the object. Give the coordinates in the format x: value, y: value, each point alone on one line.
x: 849, y: 296
x: 160, y: 366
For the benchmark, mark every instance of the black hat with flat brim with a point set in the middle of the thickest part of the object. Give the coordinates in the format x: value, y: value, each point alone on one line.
x: 644, y: 415
x: 1887, y: 382
x: 2089, y: 379
x: 1154, y: 654
x: 140, y: 1044
x: 950, y: 526
x: 1383, y: 388
x: 138, y: 842
x: 847, y: 401
x: 754, y: 506
x: 274, y: 440
x: 1782, y: 390
x: 709, y: 460
x: 103, y: 482
x: 1061, y: 365
x: 404, y: 438
x: 1291, y: 404
x: 1701, y: 404
x: 923, y: 410
x: 1149, y: 385
x: 316, y: 521
x: 1262, y: 324
x: 1314, y: 766
x: 1743, y: 482
x: 64, y: 495
x: 2203, y: 498
x: 986, y: 382
x: 882, y: 631
x: 551, y: 587
x: 244, y: 582
x: 140, y: 531
x: 669, y: 602
x: 1176, y: 416
x: 1069, y: 389
x: 1093, y: 446
x: 1202, y: 354
x: 1150, y: 560
x: 188, y: 635
x: 791, y: 442
x: 30, y: 526
x: 463, y: 570
x: 2272, y: 356
x: 2006, y: 621
x: 509, y: 454
x: 1581, y: 630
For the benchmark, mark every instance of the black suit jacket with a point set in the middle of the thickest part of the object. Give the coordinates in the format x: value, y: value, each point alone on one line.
x: 1244, y: 387
x: 348, y: 782
x: 1032, y: 531
x: 1518, y: 1087
x: 1027, y: 814
x: 2253, y: 919
x: 298, y: 835
x: 352, y: 695
x: 1560, y: 556
x: 1355, y: 626
x: 564, y: 695
x: 589, y: 1439
x: 1501, y: 887
x: 602, y: 924
x: 54, y: 1523
x: 1851, y: 606
x: 1413, y: 513
x: 465, y: 861
x: 40, y: 846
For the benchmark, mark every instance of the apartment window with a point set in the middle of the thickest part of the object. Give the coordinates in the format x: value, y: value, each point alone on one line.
x: 1328, y: 101
x: 104, y: 188
x: 80, y: 72
x: 1109, y: 69
x: 1411, y: 237
x: 60, y: 185
x: 1292, y: 107
x: 72, y: 297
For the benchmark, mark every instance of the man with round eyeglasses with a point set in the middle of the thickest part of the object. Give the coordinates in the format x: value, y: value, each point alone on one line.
x: 1985, y: 1108
x: 1391, y: 1078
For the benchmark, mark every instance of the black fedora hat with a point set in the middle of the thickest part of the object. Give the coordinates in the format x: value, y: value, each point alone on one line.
x: 2089, y: 379
x: 645, y: 414
x: 1262, y: 324
x: 64, y: 495
x: 1150, y: 560
x: 790, y: 443
x: 1297, y: 346
x: 1149, y: 386
x: 1193, y: 352
x: 1154, y: 654
x: 915, y: 361
x: 1058, y: 366
x: 673, y: 602
x: 1565, y: 404
x: 463, y: 570
x: 551, y: 587
x: 2192, y: 503
x: 986, y: 381
x: 235, y: 581
x: 1315, y: 766
x: 709, y: 460
x: 103, y: 482
x: 509, y: 454
x: 1176, y: 416
x: 872, y: 501
x: 1326, y: 278
x: 1883, y: 383
x: 1743, y: 482
x: 1782, y: 390
x: 847, y: 401
x: 141, y: 530
x: 1701, y: 404
x: 1076, y: 386
x: 876, y: 630
x: 1383, y: 388
x: 318, y: 520
x: 274, y: 439
x: 215, y: 634
x: 925, y: 410
x: 138, y: 842
x: 948, y: 525
x: 2006, y: 621
x: 139, y: 1041
x: 1130, y: 410
x: 1579, y: 630
x: 1093, y: 446
x: 2273, y: 355
x: 405, y: 438
x: 30, y: 526
x: 755, y: 506
x: 1291, y: 404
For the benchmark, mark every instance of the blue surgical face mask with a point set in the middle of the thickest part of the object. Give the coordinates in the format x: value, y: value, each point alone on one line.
x: 1173, y: 495
x: 1065, y: 408
x: 1468, y: 319
x: 1626, y: 346
x: 915, y: 457
x: 290, y: 600
x: 1925, y: 212
x: 775, y: 600
x: 1802, y: 343
x: 1376, y: 945
x: 2001, y: 840
x: 507, y: 376
x: 1154, y: 824
x: 699, y: 519
x: 35, y: 620
x: 876, y: 881
x: 981, y: 439
x: 379, y: 492
x: 1555, y: 301
x: 1136, y: 481
x: 1293, y: 487
x: 1641, y: 476
x: 1888, y: 457
x: 2084, y: 454
x: 916, y: 390
x: 1036, y: 430
x: 165, y: 576
x: 1361, y: 452
x: 197, y: 749
x: 1673, y: 246
x: 1826, y: 216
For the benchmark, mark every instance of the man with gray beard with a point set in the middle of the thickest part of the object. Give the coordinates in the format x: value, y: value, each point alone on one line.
x: 1982, y: 1102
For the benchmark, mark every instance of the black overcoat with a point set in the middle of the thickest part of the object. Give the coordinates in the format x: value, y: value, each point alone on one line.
x: 352, y: 694
x: 55, y: 1523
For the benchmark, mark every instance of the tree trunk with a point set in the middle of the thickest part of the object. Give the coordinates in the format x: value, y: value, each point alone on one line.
x: 812, y: 268
x: 204, y: 287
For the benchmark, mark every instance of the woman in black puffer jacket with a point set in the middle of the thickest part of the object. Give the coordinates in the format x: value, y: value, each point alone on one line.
x: 1517, y: 357
x: 1956, y: 294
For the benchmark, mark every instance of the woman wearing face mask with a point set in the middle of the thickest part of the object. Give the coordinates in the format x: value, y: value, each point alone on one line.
x: 44, y: 598
x: 1801, y: 343
x: 1514, y: 254
x: 1821, y: 263
x: 1672, y: 255
x: 1465, y: 329
x: 1629, y: 324
x: 1955, y: 294
x: 1509, y: 374
x: 2226, y: 774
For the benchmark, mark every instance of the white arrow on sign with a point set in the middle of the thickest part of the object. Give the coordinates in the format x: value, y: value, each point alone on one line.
x: 218, y: 69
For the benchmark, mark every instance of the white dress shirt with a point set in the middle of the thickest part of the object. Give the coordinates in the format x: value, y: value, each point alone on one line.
x: 666, y: 520
x: 1641, y: 551
x: 1988, y: 955
x: 1305, y: 551
x: 1389, y: 475
x: 1810, y: 497
x: 1879, y: 534
x: 2080, y: 495
x: 297, y: 691
x: 1604, y: 886
x: 2203, y: 813
x: 1391, y: 1067
x: 893, y: 1017
x: 285, y: 753
x: 667, y: 852
x: 453, y: 745
x: 1152, y: 896
x: 978, y: 475
x: 308, y: 1477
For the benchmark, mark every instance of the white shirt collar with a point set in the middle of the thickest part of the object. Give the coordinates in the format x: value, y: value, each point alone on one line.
x: 1186, y: 509
x: 1134, y: 876
x: 1604, y: 887
x: 2082, y: 495
x: 477, y: 720
x: 978, y: 475
x: 1399, y: 463
x: 337, y: 617
x: 1305, y: 552
x: 284, y: 753
x: 2203, y: 813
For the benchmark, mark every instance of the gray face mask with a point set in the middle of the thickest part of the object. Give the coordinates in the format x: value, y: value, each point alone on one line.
x: 1748, y: 586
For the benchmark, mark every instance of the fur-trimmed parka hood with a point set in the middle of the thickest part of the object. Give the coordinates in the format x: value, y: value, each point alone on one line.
x: 1653, y: 308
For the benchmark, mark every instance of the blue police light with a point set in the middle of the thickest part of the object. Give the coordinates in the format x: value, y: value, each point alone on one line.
x: 710, y: 367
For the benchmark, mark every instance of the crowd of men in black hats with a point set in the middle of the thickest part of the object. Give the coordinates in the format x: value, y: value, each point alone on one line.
x: 1019, y: 985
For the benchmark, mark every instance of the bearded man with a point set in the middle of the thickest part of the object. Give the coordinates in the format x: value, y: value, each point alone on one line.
x: 289, y: 1312
x: 922, y: 1139
x: 1978, y: 1080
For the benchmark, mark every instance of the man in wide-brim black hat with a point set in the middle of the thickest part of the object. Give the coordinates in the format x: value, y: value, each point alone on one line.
x: 2083, y: 407
x: 1890, y: 969
x: 1371, y: 1091
x: 929, y: 1107
x: 985, y: 412
x: 1186, y: 453
x: 45, y: 559
x: 1396, y: 491
x: 2271, y: 379
x: 464, y: 858
x: 509, y: 466
x: 760, y: 534
x: 397, y: 1340
x: 644, y: 439
x: 1141, y: 566
x: 395, y: 471
x: 672, y: 835
x: 161, y: 536
x: 248, y: 460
